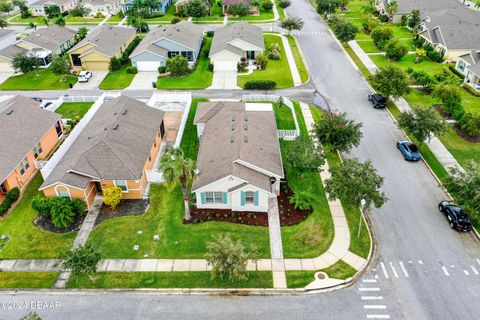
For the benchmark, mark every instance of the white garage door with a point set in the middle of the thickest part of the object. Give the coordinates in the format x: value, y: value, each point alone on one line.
x: 148, y: 65
x: 225, y: 66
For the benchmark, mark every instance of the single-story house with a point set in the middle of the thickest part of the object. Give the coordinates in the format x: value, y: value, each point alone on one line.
x: 161, y: 43
x: 469, y: 65
x: 163, y: 6
x: 105, y: 7
x: 234, y: 41
x: 40, y: 44
x: 115, y: 148
x: 405, y: 7
x: 38, y: 7
x: 28, y: 133
x: 239, y: 160
x: 227, y: 3
x: 98, y: 47
x: 453, y: 32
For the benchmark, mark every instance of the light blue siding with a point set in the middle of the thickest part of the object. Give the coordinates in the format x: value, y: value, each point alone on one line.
x: 225, y: 198
x: 147, y: 56
x: 242, y: 198
x: 202, y: 197
x: 255, y: 198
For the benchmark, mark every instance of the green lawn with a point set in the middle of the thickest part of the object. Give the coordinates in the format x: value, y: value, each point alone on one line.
x: 281, y: 11
x: 27, y: 280
x: 39, y: 79
x: 115, y: 19
x: 40, y: 21
x: 201, y: 78
x: 177, y: 240
x: 284, y: 117
x: 369, y: 47
x: 300, y: 279
x: 80, y: 20
x: 264, y: 15
x: 26, y: 240
x: 70, y: 110
x: 276, y: 70
x: 408, y: 61
x: 190, y: 142
x: 298, y: 58
x: 217, y: 14
x: 105, y: 280
x: 119, y: 79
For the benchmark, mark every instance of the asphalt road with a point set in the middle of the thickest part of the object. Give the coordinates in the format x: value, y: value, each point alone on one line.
x: 424, y: 269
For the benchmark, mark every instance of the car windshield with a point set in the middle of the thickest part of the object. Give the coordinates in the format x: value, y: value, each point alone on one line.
x: 412, y: 147
x: 460, y: 213
x: 381, y: 99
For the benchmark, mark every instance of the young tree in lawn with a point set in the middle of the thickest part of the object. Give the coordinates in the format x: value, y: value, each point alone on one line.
x: 303, y: 155
x: 52, y: 11
x: 176, y: 169
x: 424, y: 79
x: 262, y: 61
x: 228, y: 258
x: 395, y: 50
x: 342, y: 4
x: 327, y: 6
x: 81, y: 260
x: 239, y: 9
x: 413, y: 21
x: 352, y: 181
x: 59, y: 64
x: 24, y: 11
x: 421, y: 123
x: 32, y: 25
x: 6, y: 7
x: 345, y: 31
x: 391, y: 82
x: 196, y: 8
x: 138, y: 22
x: 3, y: 23
x: 293, y: 23
x: 381, y: 36
x: 81, y: 11
x: 267, y: 5
x: 284, y: 3
x: 334, y: 130
x: 23, y: 63
x: 60, y: 21
x: 112, y: 196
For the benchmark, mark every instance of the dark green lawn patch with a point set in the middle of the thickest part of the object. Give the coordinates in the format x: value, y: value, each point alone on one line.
x: 27, y: 280
x: 284, y: 117
x: 106, y: 280
x: 39, y: 79
x: 70, y: 110
x: 119, y: 79
x: 190, y: 143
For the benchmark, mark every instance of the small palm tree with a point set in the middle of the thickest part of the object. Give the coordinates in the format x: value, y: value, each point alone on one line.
x: 179, y: 169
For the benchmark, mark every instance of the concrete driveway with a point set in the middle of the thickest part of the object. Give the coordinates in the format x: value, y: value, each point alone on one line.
x: 143, y: 80
x: 4, y: 76
x: 93, y: 83
x: 224, y: 79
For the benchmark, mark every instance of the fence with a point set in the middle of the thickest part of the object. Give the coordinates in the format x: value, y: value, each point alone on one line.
x: 284, y: 134
x: 63, y: 99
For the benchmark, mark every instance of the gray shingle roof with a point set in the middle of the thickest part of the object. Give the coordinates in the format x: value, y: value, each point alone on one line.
x: 221, y: 145
x: 107, y: 39
x: 230, y: 2
x: 11, y: 51
x: 5, y: 32
x: 472, y: 57
x: 57, y: 2
x: 184, y: 33
x: 405, y: 6
x: 21, y: 130
x: 240, y: 30
x: 114, y: 145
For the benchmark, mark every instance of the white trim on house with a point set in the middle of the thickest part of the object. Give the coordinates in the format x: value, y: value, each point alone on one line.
x: 224, y: 50
x: 136, y: 54
x: 90, y: 51
x: 253, y: 167
x: 181, y: 45
x: 68, y: 191
x: 223, y: 178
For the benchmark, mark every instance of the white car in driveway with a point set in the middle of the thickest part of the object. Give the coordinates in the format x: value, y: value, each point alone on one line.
x: 84, y: 76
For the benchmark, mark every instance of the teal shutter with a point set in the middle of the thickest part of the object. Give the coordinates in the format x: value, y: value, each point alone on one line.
x: 202, y: 197
x: 255, y: 199
x: 225, y: 198
x: 242, y: 198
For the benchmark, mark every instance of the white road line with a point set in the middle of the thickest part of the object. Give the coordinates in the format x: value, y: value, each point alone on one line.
x: 372, y: 298
x: 369, y: 280
x: 420, y: 261
x: 474, y: 270
x: 385, y: 273
x: 368, y: 289
x: 378, y: 316
x: 374, y: 306
x: 393, y: 269
x: 445, y: 271
x: 403, y: 269
x: 466, y: 272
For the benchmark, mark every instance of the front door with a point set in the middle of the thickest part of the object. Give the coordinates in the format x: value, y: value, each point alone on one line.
x: 76, y: 60
x: 98, y: 187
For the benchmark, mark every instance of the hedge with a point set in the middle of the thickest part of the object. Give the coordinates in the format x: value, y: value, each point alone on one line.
x: 456, y: 72
x: 131, y: 70
x: 10, y: 199
x: 260, y: 84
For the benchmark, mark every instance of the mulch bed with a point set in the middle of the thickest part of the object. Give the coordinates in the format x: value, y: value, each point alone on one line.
x: 289, y: 216
x: 125, y: 208
x: 46, y: 224
x: 440, y: 110
x: 456, y: 127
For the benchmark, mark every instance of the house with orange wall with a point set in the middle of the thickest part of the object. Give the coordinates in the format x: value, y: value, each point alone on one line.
x: 115, y: 148
x: 28, y: 133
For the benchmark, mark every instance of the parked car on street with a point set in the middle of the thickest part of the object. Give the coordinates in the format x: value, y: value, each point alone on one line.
x: 409, y: 150
x: 84, y: 76
x: 457, y: 218
x: 378, y: 101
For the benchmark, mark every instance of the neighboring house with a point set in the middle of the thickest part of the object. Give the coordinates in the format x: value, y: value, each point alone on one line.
x: 98, y: 47
x: 179, y: 5
x: 469, y: 65
x: 405, y: 7
x: 239, y: 161
x: 38, y: 7
x: 104, y: 7
x: 28, y: 133
x: 453, y: 32
x: 40, y: 44
x: 163, y: 6
x: 115, y: 148
x: 234, y: 41
x: 227, y: 3
x: 161, y: 43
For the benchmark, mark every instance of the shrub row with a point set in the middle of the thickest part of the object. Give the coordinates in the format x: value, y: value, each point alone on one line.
x: 132, y: 70
x: 10, y: 199
x: 61, y: 211
x: 456, y: 72
x: 260, y: 84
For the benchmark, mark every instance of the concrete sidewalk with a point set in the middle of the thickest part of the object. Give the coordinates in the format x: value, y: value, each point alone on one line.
x: 436, y: 146
x: 297, y: 80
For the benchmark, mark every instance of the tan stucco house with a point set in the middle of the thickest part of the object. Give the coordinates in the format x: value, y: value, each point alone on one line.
x: 38, y: 7
x: 95, y: 51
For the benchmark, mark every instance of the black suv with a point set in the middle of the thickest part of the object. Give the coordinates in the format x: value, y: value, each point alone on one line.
x: 378, y: 101
x: 457, y: 218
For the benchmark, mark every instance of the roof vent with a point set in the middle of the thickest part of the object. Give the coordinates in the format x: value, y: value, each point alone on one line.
x: 234, y: 117
x: 245, y: 138
x: 245, y: 126
x: 9, y: 112
x: 115, y: 126
x: 233, y: 126
x: 232, y: 139
x: 124, y: 112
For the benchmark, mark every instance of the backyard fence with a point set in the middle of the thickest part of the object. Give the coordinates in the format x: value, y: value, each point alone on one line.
x: 63, y: 99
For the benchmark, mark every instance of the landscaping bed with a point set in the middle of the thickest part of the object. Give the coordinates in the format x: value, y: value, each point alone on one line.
x: 45, y: 224
x: 132, y: 207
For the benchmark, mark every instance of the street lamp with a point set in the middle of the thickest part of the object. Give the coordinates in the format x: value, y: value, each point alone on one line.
x: 362, y: 206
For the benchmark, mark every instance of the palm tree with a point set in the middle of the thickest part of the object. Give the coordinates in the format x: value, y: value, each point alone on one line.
x: 45, y: 20
x: 179, y: 169
x: 60, y: 21
x: 32, y: 25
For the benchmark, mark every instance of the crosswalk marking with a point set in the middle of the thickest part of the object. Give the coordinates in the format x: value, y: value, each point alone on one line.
x: 375, y: 306
x: 372, y: 298
x: 474, y: 270
x: 466, y: 272
x: 378, y: 316
x: 403, y: 269
x: 385, y: 273
x: 445, y: 271
x: 368, y: 289
x: 393, y: 269
x: 369, y: 280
